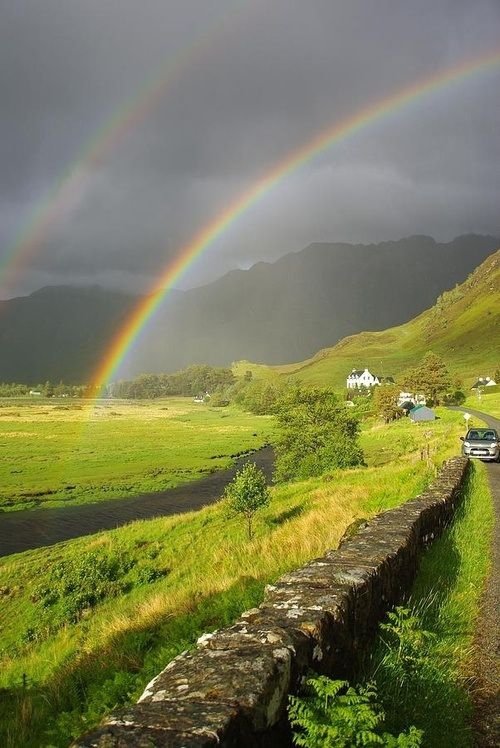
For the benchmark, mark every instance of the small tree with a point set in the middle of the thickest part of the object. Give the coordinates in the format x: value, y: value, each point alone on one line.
x: 385, y: 402
x: 431, y: 377
x: 247, y: 493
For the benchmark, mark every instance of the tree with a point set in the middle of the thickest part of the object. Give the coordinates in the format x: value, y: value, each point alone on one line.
x: 385, y: 402
x: 431, y: 377
x: 247, y: 493
x: 317, y: 433
x: 48, y: 389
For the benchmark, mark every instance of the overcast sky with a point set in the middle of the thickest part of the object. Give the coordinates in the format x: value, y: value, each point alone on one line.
x: 253, y: 81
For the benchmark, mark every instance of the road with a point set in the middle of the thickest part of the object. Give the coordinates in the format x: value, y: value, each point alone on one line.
x: 25, y: 530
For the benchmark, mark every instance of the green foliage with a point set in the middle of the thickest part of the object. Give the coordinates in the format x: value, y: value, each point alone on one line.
x: 385, y: 402
x: 247, y: 493
x: 334, y: 714
x: 260, y: 396
x: 190, y: 382
x: 431, y: 377
x: 80, y: 583
x: 456, y: 397
x: 316, y: 434
x: 11, y: 389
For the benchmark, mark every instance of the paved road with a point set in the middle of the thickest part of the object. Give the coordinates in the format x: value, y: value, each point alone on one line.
x: 487, y: 696
x: 25, y: 530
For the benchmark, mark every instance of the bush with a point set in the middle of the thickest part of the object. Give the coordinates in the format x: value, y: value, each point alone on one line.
x: 317, y: 434
x: 334, y: 714
x: 80, y: 583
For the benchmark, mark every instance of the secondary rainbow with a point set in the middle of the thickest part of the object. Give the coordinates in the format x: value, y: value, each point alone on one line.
x: 215, y: 228
x: 70, y: 187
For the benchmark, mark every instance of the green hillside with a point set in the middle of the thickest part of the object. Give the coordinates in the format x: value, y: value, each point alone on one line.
x: 463, y: 327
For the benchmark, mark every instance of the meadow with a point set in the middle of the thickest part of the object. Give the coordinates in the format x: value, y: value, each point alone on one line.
x: 57, y: 452
x: 487, y: 401
x: 86, y: 623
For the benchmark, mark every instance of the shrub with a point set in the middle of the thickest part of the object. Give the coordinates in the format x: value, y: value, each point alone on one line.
x: 80, y: 583
x: 334, y: 714
x: 317, y: 434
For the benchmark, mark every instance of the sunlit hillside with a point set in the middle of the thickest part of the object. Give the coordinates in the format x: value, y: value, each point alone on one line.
x: 463, y: 327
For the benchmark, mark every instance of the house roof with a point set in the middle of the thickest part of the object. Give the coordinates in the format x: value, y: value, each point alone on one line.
x: 482, y: 382
x: 421, y: 407
x: 360, y: 372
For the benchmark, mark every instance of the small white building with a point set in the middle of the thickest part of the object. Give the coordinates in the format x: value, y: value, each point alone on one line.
x: 483, y: 382
x: 409, y: 397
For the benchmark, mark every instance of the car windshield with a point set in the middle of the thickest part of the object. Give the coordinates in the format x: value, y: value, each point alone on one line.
x: 482, y: 435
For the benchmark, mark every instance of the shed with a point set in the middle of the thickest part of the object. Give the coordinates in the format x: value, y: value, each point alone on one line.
x: 422, y: 413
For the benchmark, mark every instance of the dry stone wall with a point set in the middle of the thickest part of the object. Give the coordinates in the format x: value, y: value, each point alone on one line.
x: 232, y: 690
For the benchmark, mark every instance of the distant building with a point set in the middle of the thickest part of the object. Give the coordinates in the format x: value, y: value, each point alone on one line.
x: 409, y: 397
x: 35, y: 392
x: 483, y: 382
x: 421, y: 413
x: 364, y: 378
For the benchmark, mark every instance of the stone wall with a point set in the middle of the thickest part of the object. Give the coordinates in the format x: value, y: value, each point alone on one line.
x: 232, y: 690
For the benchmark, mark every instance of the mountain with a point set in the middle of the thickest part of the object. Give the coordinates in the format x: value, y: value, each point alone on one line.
x: 463, y: 327
x: 274, y: 312
x: 58, y: 332
x: 285, y: 311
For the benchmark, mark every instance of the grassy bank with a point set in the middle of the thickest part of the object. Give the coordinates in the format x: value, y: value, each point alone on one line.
x: 487, y: 402
x: 422, y: 665
x: 62, y: 452
x: 85, y: 624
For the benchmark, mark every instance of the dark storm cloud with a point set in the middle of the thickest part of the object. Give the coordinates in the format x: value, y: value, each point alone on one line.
x: 272, y: 75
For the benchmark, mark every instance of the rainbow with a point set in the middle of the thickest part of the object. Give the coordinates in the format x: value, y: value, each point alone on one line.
x: 71, y: 186
x: 208, y: 234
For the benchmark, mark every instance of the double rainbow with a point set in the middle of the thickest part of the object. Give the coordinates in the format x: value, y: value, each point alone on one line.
x: 70, y: 187
x: 326, y: 138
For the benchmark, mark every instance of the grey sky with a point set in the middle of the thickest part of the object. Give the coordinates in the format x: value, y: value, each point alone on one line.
x: 263, y: 82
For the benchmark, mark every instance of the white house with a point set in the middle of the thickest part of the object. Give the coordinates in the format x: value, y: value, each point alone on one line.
x: 361, y: 378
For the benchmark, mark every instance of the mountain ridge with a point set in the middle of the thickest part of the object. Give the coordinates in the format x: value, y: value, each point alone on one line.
x: 274, y: 312
x: 463, y: 326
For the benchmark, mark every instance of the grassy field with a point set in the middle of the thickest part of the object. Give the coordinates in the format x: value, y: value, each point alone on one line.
x: 86, y: 623
x: 488, y: 401
x: 463, y: 328
x: 425, y: 657
x: 60, y: 452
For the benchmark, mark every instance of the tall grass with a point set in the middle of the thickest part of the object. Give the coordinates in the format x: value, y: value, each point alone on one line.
x: 422, y: 663
x: 101, y: 655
